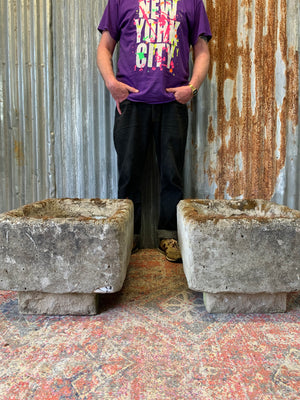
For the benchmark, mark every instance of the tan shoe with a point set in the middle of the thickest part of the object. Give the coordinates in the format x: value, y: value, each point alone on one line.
x: 171, y: 250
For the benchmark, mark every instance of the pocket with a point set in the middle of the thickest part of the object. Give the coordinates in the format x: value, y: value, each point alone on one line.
x: 123, y: 120
x: 123, y: 107
x: 181, y: 108
x: 124, y: 104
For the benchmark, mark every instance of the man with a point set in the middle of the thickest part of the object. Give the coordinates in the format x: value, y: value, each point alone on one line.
x: 151, y: 90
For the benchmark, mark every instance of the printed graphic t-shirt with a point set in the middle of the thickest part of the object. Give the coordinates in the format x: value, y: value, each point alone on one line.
x: 155, y: 38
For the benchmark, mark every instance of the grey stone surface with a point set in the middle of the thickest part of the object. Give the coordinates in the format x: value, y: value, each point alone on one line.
x: 66, y: 246
x: 58, y: 304
x: 244, y: 303
x: 246, y: 246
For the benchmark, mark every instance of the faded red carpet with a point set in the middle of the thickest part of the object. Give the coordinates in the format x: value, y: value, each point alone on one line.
x: 154, y: 340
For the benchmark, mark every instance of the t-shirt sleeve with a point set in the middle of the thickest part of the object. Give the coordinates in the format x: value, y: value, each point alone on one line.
x: 200, y: 25
x: 110, y: 20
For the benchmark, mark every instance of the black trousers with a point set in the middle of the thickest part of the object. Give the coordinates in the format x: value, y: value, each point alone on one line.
x: 168, y: 124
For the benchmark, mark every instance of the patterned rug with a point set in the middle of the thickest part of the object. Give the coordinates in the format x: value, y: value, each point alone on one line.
x: 153, y: 340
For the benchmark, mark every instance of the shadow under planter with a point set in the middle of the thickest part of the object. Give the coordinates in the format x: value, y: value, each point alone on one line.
x: 243, y: 254
x: 60, y: 254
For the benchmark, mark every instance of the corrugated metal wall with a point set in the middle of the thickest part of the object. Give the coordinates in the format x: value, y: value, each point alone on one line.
x: 56, y: 116
x: 26, y: 104
x: 84, y: 155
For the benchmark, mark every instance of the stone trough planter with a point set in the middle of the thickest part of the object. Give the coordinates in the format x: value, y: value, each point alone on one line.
x: 243, y: 255
x: 59, y: 254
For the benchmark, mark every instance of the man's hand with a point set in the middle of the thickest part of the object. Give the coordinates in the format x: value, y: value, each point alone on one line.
x: 120, y: 92
x: 183, y: 94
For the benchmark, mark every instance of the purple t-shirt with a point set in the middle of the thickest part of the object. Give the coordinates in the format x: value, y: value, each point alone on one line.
x: 155, y: 38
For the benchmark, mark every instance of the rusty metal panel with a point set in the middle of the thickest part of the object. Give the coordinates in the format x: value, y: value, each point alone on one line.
x: 26, y: 168
x: 245, y: 134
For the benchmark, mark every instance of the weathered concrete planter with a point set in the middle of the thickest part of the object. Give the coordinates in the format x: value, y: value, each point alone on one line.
x: 244, y: 255
x: 60, y: 253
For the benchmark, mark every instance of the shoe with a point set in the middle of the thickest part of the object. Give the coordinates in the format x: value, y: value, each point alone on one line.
x: 171, y: 250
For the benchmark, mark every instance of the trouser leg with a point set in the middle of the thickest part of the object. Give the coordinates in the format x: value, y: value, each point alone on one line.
x: 131, y: 137
x: 170, y: 138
